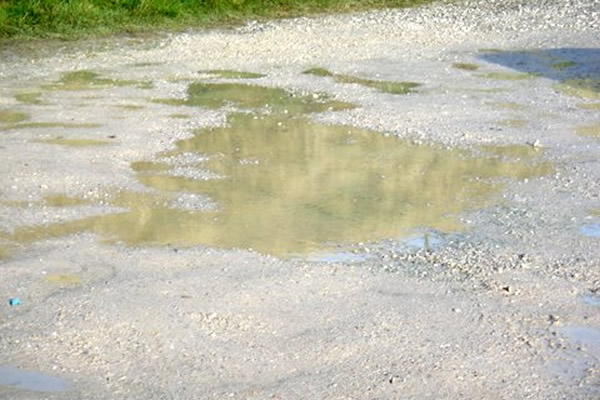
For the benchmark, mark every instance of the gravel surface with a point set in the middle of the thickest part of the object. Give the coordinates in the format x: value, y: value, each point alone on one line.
x: 507, y: 309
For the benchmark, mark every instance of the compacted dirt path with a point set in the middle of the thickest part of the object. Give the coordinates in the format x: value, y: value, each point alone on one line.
x: 491, y: 291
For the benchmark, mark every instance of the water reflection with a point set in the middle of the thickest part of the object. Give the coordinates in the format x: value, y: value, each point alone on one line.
x: 290, y: 185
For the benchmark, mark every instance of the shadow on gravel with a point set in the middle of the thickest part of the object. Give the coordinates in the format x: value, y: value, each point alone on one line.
x: 577, y: 70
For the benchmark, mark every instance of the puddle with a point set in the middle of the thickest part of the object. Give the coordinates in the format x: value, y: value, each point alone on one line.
x: 216, y: 95
x: 280, y: 183
x: 514, y: 151
x: 506, y: 105
x: 589, y: 130
x: 590, y: 106
x: 31, y: 380
x: 63, y: 279
x: 506, y: 76
x: 75, y: 142
x: 291, y: 184
x: 584, y: 336
x: 591, y: 299
x: 130, y: 106
x: 36, y: 125
x: 590, y: 230
x: 574, y: 69
x: 146, y: 64
x: 426, y: 241
x: 89, y: 80
x: 382, y: 86
x: 346, y: 257
x: 232, y: 74
x: 29, y: 98
x: 584, y: 88
x: 466, y: 66
x: 6, y: 251
x: 514, y: 123
x: 11, y: 117
x: 61, y: 200
x: 180, y: 116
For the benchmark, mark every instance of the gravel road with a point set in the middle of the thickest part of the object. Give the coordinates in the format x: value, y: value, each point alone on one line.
x: 507, y: 308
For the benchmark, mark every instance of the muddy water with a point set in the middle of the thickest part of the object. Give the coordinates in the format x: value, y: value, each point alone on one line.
x: 289, y: 185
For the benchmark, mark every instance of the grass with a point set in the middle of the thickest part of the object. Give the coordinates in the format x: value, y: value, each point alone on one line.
x: 68, y: 19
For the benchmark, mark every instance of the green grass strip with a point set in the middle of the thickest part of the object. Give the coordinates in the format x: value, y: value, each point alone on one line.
x: 70, y: 19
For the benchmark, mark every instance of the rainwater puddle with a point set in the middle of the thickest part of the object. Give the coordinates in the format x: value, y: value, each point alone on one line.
x: 29, y: 98
x: 586, y: 337
x: 592, y: 299
x: 589, y: 130
x: 89, y: 80
x: 382, y: 86
x: 42, y: 125
x: 75, y: 142
x: 277, y: 100
x: 11, y: 117
x: 574, y: 69
x: 590, y: 230
x: 576, y: 363
x: 346, y: 257
x: 286, y: 185
x: 514, y: 151
x: 31, y: 380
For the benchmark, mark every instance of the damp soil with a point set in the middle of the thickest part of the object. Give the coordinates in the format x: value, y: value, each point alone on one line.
x: 390, y: 207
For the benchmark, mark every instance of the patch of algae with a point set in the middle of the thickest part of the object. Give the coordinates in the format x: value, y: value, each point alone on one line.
x: 382, y: 86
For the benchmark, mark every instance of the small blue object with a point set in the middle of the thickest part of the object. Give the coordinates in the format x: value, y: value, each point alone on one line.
x: 14, y: 302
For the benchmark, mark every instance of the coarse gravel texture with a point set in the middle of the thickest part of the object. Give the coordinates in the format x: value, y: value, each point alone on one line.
x: 506, y: 309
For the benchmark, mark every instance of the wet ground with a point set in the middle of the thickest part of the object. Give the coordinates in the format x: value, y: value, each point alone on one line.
x: 312, y: 221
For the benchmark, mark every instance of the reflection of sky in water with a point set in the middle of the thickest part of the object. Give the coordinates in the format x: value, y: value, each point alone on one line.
x: 557, y: 64
x: 30, y: 380
x: 591, y: 299
x: 576, y: 70
x: 590, y: 230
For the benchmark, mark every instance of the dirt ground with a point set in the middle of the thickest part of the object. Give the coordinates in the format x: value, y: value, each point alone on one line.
x: 506, y: 307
